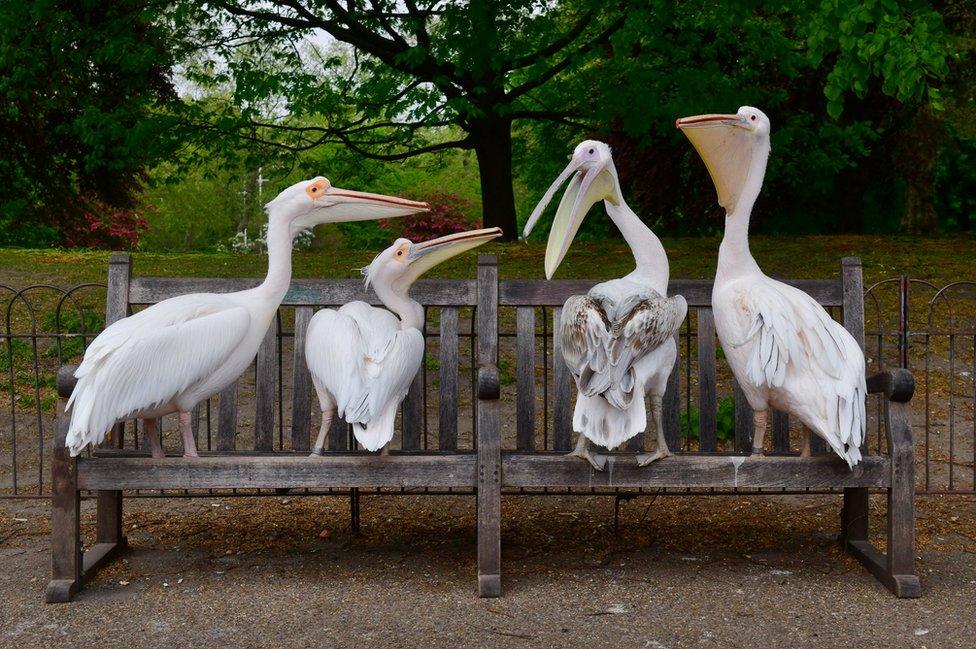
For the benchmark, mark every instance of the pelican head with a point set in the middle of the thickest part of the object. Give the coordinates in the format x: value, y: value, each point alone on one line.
x: 594, y: 178
x: 401, y: 264
x: 727, y: 144
x: 311, y: 202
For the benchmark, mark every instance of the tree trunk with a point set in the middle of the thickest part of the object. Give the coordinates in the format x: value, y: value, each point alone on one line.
x: 493, y: 146
x: 915, y: 158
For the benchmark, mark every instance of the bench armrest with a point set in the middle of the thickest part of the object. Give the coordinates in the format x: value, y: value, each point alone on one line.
x: 489, y: 385
x: 898, y: 386
x: 66, y: 380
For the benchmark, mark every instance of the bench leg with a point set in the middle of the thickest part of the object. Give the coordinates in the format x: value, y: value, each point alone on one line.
x: 354, y: 519
x: 66, y: 555
x: 489, y: 503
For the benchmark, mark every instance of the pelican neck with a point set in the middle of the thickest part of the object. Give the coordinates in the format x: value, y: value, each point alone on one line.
x: 734, y: 256
x: 650, y: 258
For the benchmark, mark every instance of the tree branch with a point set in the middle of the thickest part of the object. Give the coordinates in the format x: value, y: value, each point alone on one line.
x: 556, y: 46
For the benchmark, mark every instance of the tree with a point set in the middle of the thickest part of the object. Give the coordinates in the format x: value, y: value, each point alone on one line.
x: 421, y: 75
x: 79, y: 82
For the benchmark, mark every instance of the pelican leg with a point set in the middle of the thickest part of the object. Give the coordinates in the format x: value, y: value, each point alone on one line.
x: 662, y: 451
x: 805, y: 451
x: 582, y: 450
x: 319, y: 448
x: 151, y: 432
x: 758, y: 432
x: 189, y: 441
x: 385, y: 451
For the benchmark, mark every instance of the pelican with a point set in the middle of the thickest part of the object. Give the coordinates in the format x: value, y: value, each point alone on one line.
x: 363, y: 358
x: 618, y: 339
x: 784, y: 348
x: 172, y: 355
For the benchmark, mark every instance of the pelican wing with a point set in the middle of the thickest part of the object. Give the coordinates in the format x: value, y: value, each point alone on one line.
x: 362, y: 357
x: 148, y: 359
x: 602, y: 354
x: 792, y: 334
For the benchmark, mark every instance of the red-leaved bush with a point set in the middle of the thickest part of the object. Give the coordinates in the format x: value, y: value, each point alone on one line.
x: 103, y: 226
x: 448, y: 214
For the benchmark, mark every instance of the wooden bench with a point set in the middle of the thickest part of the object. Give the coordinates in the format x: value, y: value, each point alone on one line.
x: 468, y: 454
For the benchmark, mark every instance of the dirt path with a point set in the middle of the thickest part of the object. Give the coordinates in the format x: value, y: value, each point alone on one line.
x: 684, y: 572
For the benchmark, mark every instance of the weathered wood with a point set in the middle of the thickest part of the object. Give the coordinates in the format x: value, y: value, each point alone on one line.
x: 117, y: 296
x: 412, y: 413
x: 265, y: 383
x: 339, y: 435
x: 698, y: 293
x: 302, y: 402
x: 488, y: 432
x: 707, y: 400
x: 227, y: 418
x: 304, y: 292
x: 525, y: 377
x: 779, y: 424
x: 562, y: 389
x: 278, y: 470
x: 693, y: 471
x: 447, y: 408
x: 743, y: 421
x: 672, y: 401
x: 65, y: 517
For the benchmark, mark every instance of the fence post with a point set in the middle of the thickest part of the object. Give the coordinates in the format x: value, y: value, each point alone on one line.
x: 488, y: 431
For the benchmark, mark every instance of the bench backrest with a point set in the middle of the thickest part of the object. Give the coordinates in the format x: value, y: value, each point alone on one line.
x: 542, y: 382
x: 281, y: 375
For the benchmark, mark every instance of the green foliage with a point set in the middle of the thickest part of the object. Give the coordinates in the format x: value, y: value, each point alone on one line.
x: 690, y: 425
x: 366, y: 235
x: 80, y: 83
x: 70, y: 321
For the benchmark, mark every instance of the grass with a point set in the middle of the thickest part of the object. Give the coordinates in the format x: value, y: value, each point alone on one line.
x: 939, y: 260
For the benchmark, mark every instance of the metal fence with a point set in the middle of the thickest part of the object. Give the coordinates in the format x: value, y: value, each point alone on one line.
x: 909, y: 323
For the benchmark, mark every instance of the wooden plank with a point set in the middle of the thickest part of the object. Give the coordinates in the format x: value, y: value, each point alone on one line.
x: 301, y: 404
x: 743, y: 421
x: 672, y: 402
x: 117, y: 297
x: 265, y: 384
x: 488, y: 432
x: 525, y: 377
x: 278, y: 470
x: 707, y: 377
x: 65, y: 517
x: 304, y: 292
x: 562, y: 388
x: 227, y: 418
x: 412, y: 414
x: 780, y: 426
x: 449, y: 378
x: 698, y: 293
x: 693, y: 471
x: 338, y: 435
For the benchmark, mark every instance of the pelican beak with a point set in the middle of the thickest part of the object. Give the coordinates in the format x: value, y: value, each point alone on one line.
x: 427, y: 254
x: 588, y: 184
x: 347, y: 205
x: 722, y: 141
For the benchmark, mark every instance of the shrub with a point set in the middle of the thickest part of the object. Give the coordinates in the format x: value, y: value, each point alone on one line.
x: 366, y: 235
x: 448, y: 214
x: 724, y: 422
x: 106, y: 227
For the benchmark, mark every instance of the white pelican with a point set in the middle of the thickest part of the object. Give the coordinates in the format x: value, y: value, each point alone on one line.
x: 784, y: 349
x: 362, y: 358
x: 618, y: 339
x: 172, y: 355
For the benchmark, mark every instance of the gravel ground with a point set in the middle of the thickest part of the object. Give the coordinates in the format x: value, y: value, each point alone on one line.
x: 680, y: 572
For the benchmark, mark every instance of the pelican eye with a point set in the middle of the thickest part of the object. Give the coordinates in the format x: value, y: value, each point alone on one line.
x: 753, y: 118
x: 591, y: 151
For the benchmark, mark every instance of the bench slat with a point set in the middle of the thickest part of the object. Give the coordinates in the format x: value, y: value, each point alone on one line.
x: 449, y: 379
x: 562, y: 386
x: 338, y: 435
x: 698, y: 293
x: 301, y: 405
x: 672, y: 402
x: 265, y: 383
x: 412, y: 413
x: 707, y: 400
x: 743, y: 421
x: 227, y: 418
x: 303, y: 292
x: 781, y: 431
x: 525, y: 364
